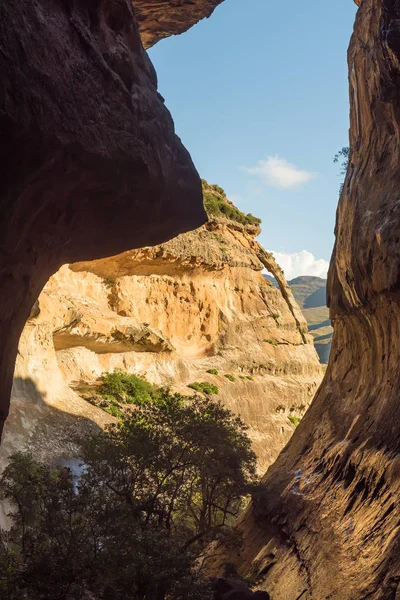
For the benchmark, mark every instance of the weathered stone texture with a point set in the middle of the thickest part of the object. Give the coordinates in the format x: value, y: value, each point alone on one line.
x: 159, y: 18
x: 171, y: 313
x: 90, y: 163
x: 328, y: 523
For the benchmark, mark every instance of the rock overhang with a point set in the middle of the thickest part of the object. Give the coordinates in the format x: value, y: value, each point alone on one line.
x: 91, y: 164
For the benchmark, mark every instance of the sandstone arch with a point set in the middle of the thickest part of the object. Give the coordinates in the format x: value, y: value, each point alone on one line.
x: 90, y: 163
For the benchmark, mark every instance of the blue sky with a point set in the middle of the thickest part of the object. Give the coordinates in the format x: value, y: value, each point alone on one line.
x: 259, y: 96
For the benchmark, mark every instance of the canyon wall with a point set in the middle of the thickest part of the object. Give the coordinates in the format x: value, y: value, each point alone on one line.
x: 85, y: 139
x: 327, y: 524
x: 170, y: 313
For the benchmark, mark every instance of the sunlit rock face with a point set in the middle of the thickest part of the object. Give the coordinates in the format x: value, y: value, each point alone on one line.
x: 327, y: 525
x: 91, y: 165
x: 159, y: 18
x: 171, y: 313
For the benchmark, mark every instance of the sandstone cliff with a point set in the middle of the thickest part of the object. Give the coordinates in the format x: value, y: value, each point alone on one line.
x: 171, y: 313
x: 85, y: 138
x: 327, y: 525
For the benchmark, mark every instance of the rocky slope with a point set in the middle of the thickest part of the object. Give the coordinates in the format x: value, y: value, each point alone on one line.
x: 327, y: 525
x: 171, y: 313
x: 310, y: 293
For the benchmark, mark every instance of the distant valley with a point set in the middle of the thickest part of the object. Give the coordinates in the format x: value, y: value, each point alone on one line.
x: 310, y: 293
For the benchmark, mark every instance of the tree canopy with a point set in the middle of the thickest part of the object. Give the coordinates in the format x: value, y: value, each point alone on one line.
x: 155, y: 488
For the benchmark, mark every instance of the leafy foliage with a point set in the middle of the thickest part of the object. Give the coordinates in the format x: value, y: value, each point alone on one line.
x: 343, y: 156
x: 217, y: 204
x: 154, y: 490
x: 212, y: 371
x: 230, y: 377
x: 205, y: 387
x: 129, y: 389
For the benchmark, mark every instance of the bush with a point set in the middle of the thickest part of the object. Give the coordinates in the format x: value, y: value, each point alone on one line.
x: 272, y: 342
x: 294, y: 420
x: 156, y: 489
x: 212, y: 371
x: 130, y: 389
x: 230, y: 377
x: 217, y: 204
x: 205, y: 387
x: 113, y: 408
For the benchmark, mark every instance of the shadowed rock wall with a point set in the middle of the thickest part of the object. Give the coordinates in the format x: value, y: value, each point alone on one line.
x: 327, y: 525
x: 90, y: 163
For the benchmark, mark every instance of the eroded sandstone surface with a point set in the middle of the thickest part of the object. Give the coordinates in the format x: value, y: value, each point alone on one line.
x: 90, y: 163
x: 327, y: 525
x: 158, y: 19
x: 171, y: 313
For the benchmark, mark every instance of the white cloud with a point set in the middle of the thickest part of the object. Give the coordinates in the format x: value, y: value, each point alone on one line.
x: 279, y: 173
x: 301, y: 263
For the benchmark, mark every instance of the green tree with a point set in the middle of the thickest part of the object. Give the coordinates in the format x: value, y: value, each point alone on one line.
x: 155, y: 488
x: 343, y: 157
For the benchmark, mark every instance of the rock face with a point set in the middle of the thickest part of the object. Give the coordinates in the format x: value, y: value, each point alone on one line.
x: 327, y: 525
x: 159, y: 19
x: 170, y: 312
x: 86, y: 139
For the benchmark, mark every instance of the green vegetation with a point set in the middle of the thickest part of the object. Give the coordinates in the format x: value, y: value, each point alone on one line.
x: 217, y: 204
x: 294, y: 420
x: 127, y: 389
x: 224, y: 250
x: 113, y: 408
x: 272, y: 342
x: 118, y: 390
x: 343, y: 156
x: 155, y: 490
x: 205, y: 387
x: 212, y: 371
x: 250, y: 377
x: 230, y: 377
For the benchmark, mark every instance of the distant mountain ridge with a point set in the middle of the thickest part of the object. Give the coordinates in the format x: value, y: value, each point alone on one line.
x: 310, y: 293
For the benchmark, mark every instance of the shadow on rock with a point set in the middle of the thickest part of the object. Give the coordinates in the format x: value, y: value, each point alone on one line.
x: 234, y: 589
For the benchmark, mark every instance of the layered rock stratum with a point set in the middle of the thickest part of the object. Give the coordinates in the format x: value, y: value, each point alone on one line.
x: 327, y: 524
x: 159, y: 19
x: 171, y: 313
